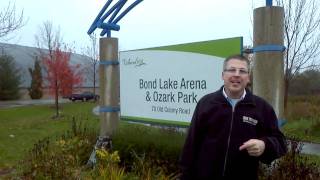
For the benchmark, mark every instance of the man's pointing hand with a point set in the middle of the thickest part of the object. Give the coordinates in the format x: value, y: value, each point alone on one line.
x: 255, y: 147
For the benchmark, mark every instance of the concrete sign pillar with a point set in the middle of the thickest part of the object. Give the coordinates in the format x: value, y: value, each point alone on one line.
x: 268, y: 68
x: 109, y: 86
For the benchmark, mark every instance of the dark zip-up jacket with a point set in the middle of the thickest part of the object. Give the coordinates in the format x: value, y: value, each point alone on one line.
x: 211, y: 150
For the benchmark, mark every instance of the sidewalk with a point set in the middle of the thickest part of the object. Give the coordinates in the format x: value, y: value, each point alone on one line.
x: 311, y: 148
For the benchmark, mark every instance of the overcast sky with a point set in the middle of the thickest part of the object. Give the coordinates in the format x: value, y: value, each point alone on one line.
x: 152, y: 23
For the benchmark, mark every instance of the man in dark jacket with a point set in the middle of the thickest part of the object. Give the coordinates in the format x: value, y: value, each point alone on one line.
x: 231, y: 130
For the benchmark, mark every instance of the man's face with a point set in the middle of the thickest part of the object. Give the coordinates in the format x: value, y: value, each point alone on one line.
x: 235, y: 77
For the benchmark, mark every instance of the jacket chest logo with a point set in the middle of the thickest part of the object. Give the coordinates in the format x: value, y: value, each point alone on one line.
x: 249, y: 120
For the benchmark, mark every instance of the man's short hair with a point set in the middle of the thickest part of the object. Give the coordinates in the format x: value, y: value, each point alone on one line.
x: 238, y: 57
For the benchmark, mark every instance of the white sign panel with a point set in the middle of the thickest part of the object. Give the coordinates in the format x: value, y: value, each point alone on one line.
x: 166, y: 85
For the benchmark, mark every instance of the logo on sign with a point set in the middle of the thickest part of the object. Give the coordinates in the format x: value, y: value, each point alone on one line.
x: 134, y: 62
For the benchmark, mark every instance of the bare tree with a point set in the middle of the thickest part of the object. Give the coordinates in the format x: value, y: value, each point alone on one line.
x: 48, y: 38
x: 93, y: 56
x: 10, y: 20
x: 302, y: 38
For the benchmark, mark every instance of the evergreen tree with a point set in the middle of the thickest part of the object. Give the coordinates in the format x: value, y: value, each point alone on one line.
x: 10, y: 78
x: 35, y: 90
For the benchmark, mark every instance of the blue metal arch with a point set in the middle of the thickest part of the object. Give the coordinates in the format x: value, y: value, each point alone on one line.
x: 114, y: 10
x: 111, y: 24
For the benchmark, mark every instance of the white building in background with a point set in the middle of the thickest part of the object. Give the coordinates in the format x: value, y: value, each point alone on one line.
x: 25, y: 56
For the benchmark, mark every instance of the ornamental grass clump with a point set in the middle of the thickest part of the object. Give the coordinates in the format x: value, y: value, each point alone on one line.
x: 107, y: 166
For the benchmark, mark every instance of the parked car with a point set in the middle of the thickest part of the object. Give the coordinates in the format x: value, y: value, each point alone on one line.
x: 85, y: 96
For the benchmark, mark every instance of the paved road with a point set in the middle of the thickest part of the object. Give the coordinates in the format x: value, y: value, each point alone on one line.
x: 17, y: 103
x: 311, y: 148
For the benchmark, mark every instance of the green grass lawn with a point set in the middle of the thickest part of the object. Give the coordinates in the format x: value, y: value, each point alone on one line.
x: 313, y: 159
x: 21, y: 127
x: 303, y: 129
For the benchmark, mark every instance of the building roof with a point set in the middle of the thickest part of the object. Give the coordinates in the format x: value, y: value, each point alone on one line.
x: 25, y: 56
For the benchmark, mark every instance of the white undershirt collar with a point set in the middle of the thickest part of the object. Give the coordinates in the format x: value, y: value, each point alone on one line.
x: 232, y: 101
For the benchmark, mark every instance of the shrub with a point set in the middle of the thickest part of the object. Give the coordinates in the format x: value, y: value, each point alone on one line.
x: 145, y: 169
x: 303, y: 107
x: 293, y: 165
x: 299, y: 110
x: 108, y: 168
x: 61, y: 158
x: 140, y: 152
x: 66, y: 157
x: 160, y: 147
x: 313, y: 99
x: 10, y: 78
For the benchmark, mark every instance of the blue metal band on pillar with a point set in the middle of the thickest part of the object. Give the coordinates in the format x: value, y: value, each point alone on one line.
x: 281, y: 122
x: 108, y: 63
x: 109, y: 109
x: 269, y: 2
x: 269, y: 47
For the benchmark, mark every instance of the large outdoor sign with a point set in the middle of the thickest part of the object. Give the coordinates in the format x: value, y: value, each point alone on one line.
x: 164, y: 84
